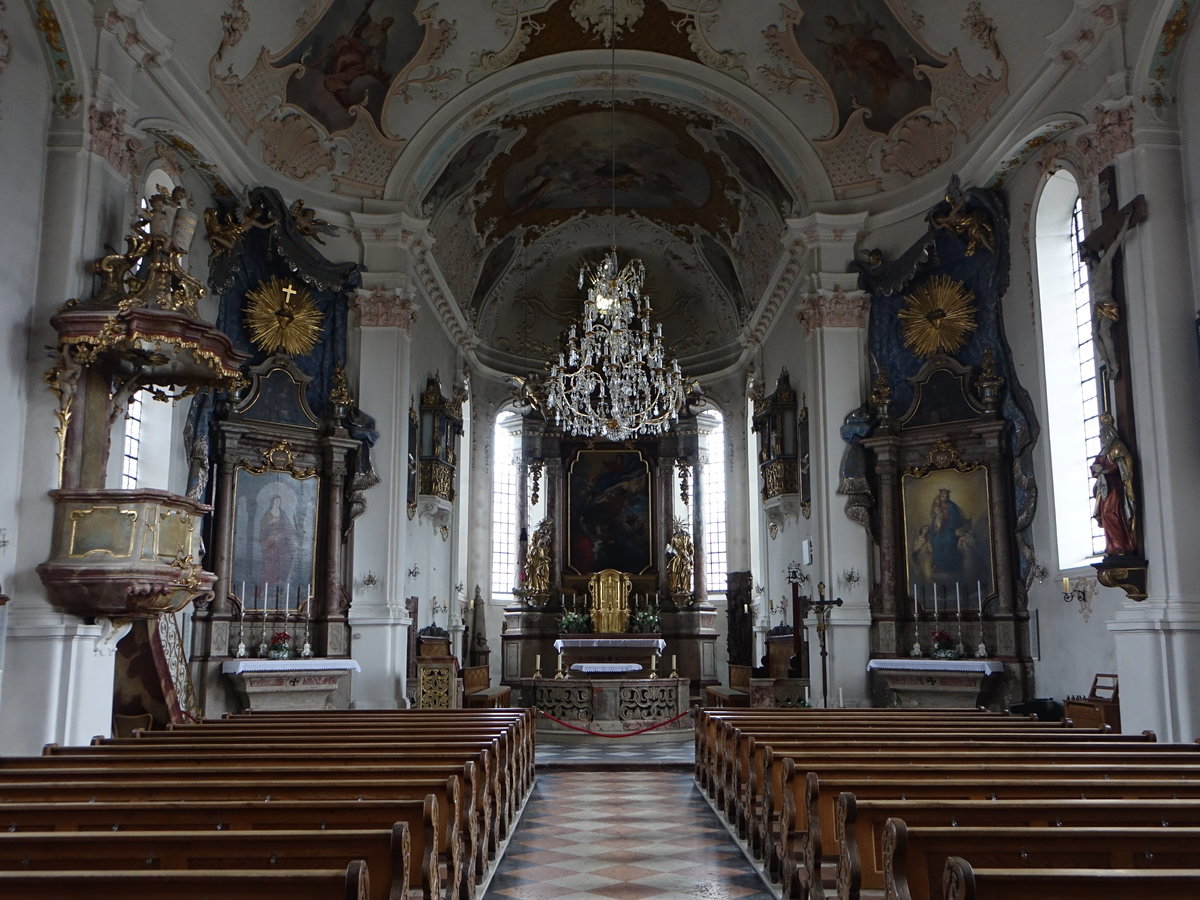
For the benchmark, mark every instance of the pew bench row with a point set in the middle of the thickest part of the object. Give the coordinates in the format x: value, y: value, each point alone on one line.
x: 819, y: 796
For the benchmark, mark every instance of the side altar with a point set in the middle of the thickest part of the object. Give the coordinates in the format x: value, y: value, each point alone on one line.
x: 938, y: 683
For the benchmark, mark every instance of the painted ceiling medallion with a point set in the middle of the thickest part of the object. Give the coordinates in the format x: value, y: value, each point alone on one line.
x: 938, y: 317
x: 283, y: 317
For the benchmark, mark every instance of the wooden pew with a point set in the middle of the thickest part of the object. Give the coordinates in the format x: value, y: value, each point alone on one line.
x: 736, y: 694
x: 961, y: 881
x: 861, y: 824
x: 287, y: 736
x: 915, y: 858
x: 484, y: 796
x: 754, y: 794
x: 245, y: 818
x: 806, y: 837
x: 117, y: 786
x: 478, y: 692
x: 385, y: 852
x: 350, y: 883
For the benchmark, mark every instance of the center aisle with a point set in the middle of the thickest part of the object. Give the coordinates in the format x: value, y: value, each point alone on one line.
x: 616, y: 833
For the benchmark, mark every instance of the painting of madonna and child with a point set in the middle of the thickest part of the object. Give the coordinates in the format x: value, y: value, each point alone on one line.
x: 948, y: 540
x: 274, y: 549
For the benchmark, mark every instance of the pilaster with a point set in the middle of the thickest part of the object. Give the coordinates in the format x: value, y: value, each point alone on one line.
x: 1158, y: 639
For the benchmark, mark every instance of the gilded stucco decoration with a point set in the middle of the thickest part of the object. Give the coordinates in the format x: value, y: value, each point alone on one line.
x: 67, y: 96
x: 938, y: 317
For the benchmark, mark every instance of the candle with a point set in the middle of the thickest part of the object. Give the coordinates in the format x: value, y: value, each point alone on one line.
x: 1066, y: 585
x: 958, y: 599
x: 916, y: 605
x: 266, y: 597
x: 537, y: 662
x: 841, y: 699
x: 935, y: 606
x: 979, y: 594
x: 673, y: 667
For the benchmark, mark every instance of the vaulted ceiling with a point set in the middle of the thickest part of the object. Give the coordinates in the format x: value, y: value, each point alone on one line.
x: 530, y: 135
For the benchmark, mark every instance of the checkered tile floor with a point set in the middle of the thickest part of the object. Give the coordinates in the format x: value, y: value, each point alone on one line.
x: 615, y: 752
x: 610, y: 834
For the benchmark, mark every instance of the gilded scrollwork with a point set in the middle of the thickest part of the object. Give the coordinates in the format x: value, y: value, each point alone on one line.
x: 279, y: 457
x: 942, y: 455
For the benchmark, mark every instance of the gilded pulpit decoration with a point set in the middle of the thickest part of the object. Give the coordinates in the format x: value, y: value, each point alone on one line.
x: 282, y: 317
x: 938, y: 317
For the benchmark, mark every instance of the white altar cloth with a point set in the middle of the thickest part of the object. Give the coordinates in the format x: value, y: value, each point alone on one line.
x: 238, y: 666
x: 605, y: 668
x: 628, y: 643
x: 985, y: 666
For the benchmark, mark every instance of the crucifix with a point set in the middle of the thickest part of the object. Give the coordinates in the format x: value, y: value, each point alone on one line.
x: 1101, y: 251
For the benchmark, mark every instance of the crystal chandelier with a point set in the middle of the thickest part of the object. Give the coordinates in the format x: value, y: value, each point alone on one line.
x: 614, y: 379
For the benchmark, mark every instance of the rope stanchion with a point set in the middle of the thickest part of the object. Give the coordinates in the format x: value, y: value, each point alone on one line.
x: 620, y: 734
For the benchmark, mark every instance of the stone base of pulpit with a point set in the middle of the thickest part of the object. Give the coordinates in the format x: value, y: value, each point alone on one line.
x: 268, y: 684
x: 938, y: 683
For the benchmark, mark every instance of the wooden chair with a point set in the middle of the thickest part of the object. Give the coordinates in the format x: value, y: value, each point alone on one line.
x: 1100, y: 707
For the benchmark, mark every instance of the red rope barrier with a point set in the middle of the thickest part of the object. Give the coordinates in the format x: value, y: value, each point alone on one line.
x: 622, y: 734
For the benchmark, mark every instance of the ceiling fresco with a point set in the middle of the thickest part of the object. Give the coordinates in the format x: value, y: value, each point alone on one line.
x: 493, y: 120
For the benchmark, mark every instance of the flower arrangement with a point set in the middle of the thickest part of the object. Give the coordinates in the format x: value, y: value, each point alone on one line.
x: 644, y: 620
x: 943, y: 645
x: 280, y: 646
x: 571, y: 622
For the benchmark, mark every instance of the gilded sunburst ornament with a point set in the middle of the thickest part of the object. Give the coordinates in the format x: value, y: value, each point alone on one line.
x: 938, y: 317
x: 283, y: 317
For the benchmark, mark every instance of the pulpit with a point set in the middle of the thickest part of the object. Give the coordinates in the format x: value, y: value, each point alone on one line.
x: 609, y: 591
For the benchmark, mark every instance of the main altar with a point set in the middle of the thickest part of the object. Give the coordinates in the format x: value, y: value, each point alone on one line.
x: 611, y: 624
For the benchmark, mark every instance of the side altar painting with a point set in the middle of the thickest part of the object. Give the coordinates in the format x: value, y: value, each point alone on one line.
x: 274, y: 539
x: 610, y: 525
x: 948, y: 537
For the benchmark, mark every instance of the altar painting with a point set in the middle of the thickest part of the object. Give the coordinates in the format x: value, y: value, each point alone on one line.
x: 609, y: 513
x: 948, y: 536
x: 274, y: 539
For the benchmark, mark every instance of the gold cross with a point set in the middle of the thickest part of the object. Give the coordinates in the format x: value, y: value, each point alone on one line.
x: 288, y: 292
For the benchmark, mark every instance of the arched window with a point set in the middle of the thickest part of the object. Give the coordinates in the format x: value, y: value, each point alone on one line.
x: 505, y: 511
x: 711, y: 491
x: 1072, y: 404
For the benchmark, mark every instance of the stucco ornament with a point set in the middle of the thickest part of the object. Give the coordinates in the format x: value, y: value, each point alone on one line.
x: 607, y: 18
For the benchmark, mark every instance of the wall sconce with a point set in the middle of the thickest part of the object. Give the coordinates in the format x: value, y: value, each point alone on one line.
x: 851, y: 577
x: 369, y: 580
x: 414, y: 571
x: 1073, y: 593
x: 438, y: 607
x: 1038, y: 572
x: 795, y: 574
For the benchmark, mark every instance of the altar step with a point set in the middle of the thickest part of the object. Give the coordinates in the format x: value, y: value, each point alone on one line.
x: 616, y: 753
x: 601, y: 833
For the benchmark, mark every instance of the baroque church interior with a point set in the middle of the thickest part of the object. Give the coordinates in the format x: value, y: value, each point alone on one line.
x: 302, y: 332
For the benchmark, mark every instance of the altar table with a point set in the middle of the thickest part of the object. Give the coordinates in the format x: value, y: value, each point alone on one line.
x: 609, y: 705
x: 938, y: 683
x: 287, y: 683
